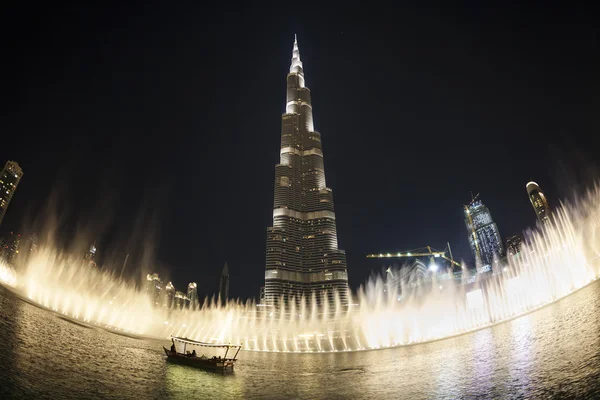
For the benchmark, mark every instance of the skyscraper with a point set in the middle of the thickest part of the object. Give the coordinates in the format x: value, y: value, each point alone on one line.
x: 9, y: 180
x: 181, y: 300
x: 539, y: 202
x: 169, y: 296
x: 11, y: 247
x: 302, y: 250
x: 484, y: 237
x: 154, y: 288
x: 514, y: 244
x: 192, y: 294
x: 224, y: 285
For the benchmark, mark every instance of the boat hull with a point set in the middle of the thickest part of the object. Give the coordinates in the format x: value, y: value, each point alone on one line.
x: 220, y: 365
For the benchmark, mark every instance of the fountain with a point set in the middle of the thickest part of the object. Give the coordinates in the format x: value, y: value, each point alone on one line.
x: 555, y: 260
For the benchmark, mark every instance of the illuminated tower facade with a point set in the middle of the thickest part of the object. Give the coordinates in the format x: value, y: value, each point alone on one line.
x: 9, y: 180
x: 10, y: 247
x: 514, y: 244
x: 302, y: 248
x: 484, y: 237
x: 169, y: 296
x: 154, y: 287
x: 181, y: 300
x: 539, y: 202
x: 192, y: 294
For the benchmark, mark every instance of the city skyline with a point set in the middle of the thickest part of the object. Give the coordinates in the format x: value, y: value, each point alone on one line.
x: 415, y: 112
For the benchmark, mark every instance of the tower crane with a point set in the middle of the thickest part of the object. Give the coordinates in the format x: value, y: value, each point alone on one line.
x: 426, y: 251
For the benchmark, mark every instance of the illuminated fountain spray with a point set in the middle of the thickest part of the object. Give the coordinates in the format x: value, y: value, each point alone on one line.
x: 554, y: 262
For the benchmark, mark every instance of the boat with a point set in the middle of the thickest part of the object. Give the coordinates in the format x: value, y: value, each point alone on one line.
x: 215, y: 363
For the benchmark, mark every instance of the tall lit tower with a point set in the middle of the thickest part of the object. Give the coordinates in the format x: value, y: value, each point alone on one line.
x: 302, y: 249
x: 169, y: 297
x: 539, y: 202
x: 514, y: 244
x: 153, y: 288
x: 192, y: 294
x: 484, y: 237
x: 224, y: 285
x: 9, y: 180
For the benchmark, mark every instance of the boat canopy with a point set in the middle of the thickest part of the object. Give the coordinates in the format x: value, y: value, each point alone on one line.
x: 204, y: 344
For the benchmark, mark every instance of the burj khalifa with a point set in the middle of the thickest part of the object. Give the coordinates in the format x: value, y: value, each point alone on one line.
x: 302, y: 258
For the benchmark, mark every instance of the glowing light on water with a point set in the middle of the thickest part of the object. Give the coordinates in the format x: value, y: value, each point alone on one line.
x: 391, y: 310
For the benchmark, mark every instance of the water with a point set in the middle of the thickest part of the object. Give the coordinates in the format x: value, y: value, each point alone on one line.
x: 553, y: 352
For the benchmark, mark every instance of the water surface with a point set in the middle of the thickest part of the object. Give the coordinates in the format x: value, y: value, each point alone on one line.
x: 554, y: 352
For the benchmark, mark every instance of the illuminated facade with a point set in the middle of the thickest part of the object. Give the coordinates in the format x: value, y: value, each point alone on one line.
x: 154, y: 289
x: 192, y: 294
x: 224, y: 285
x: 302, y: 250
x: 169, y: 296
x: 538, y: 202
x: 9, y: 180
x: 181, y: 300
x: 484, y: 237
x: 10, y: 247
x: 513, y: 245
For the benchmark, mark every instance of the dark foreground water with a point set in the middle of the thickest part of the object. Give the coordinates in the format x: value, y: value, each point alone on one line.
x: 554, y: 352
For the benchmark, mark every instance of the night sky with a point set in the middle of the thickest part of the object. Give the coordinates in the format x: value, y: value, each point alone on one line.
x: 155, y: 129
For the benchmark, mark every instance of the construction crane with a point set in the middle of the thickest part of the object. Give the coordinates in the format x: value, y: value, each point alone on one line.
x: 426, y: 251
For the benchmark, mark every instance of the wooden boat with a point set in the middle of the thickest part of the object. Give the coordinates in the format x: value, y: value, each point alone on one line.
x: 180, y: 354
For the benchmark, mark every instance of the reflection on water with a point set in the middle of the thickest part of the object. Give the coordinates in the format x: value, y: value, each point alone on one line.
x: 552, y: 352
x: 520, y: 346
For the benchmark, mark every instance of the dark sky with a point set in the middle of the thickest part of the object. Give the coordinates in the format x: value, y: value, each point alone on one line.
x: 157, y: 126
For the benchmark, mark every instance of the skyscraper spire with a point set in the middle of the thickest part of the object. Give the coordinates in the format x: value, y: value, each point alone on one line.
x: 296, y: 66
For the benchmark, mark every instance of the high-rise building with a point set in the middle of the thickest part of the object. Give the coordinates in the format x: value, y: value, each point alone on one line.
x: 539, y: 202
x: 154, y: 289
x: 484, y: 237
x: 302, y: 248
x: 10, y: 247
x: 513, y: 245
x: 192, y: 294
x: 181, y: 300
x: 169, y: 296
x: 224, y: 285
x: 9, y: 180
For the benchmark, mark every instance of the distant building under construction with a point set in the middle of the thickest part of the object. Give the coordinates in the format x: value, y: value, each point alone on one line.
x: 484, y: 237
